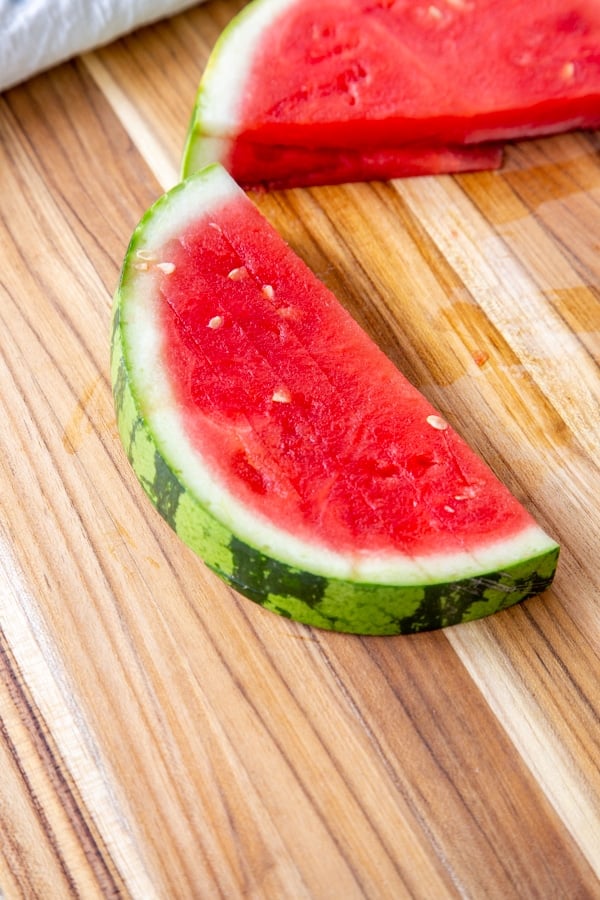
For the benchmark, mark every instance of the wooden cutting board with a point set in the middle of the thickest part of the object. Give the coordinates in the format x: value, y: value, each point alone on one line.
x: 164, y: 738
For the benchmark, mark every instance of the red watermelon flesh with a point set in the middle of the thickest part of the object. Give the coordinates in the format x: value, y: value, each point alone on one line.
x: 362, y: 74
x: 472, y: 71
x: 287, y: 167
x: 300, y: 415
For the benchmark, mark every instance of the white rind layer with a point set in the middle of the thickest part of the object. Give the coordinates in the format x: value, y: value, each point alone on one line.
x: 190, y: 202
x: 229, y: 66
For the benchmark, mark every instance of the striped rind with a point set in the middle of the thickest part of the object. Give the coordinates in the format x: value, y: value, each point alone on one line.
x: 269, y: 570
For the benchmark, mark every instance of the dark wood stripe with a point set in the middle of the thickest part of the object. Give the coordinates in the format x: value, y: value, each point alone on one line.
x: 96, y: 852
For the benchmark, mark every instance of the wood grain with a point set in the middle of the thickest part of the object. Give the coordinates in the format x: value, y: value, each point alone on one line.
x: 164, y: 738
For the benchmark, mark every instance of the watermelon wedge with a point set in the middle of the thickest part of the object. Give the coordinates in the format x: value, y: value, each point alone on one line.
x: 286, y: 449
x: 415, y: 79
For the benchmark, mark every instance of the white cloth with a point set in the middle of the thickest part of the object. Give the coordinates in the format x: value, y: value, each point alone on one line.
x: 37, y: 34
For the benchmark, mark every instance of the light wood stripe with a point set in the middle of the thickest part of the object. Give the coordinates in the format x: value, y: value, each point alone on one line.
x: 76, y: 764
x: 156, y: 156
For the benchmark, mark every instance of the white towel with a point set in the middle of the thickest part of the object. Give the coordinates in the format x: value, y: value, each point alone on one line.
x: 37, y: 34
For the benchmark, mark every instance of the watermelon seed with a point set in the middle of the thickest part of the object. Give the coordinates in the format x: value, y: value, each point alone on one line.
x: 437, y: 422
x: 141, y: 266
x: 460, y: 4
x: 467, y: 494
x: 215, y: 226
x: 238, y: 274
x: 449, y: 509
x: 435, y: 12
x: 281, y: 396
x: 145, y: 254
x: 215, y: 322
x: 167, y: 267
x: 267, y: 291
x: 567, y: 71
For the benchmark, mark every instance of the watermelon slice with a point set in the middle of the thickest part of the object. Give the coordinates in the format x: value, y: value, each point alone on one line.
x: 359, y: 76
x: 286, y: 449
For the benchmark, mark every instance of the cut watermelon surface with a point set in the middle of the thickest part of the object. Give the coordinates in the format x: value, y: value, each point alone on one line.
x: 289, y: 167
x: 359, y: 77
x: 286, y: 449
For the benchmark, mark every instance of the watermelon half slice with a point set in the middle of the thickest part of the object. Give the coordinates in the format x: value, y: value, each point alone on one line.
x: 286, y: 449
x: 420, y: 82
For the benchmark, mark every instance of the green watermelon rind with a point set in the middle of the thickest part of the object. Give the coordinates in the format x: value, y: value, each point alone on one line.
x: 310, y: 597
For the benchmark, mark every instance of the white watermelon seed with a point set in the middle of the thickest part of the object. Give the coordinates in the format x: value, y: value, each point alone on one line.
x: 238, y: 274
x: 437, y: 422
x: 467, y: 494
x: 167, y: 267
x: 215, y: 322
x: 567, y: 71
x: 281, y: 396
